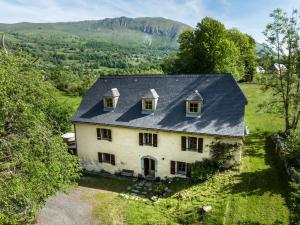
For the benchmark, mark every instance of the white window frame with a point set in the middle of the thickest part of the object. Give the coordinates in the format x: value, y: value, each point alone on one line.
x: 105, y: 102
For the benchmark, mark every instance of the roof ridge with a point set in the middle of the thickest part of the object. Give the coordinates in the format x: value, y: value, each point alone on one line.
x: 162, y: 75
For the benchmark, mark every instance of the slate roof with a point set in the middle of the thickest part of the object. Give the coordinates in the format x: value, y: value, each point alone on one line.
x: 223, y: 103
x: 113, y: 92
x: 151, y: 94
x: 195, y: 96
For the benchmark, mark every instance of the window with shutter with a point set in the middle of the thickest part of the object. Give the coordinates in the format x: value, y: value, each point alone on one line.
x: 154, y: 140
x: 104, y: 134
x: 100, y: 157
x: 188, y: 170
x: 98, y: 133
x: 183, y: 143
x: 147, y: 139
x: 109, y: 135
x: 200, y: 145
x: 141, y: 138
x: 112, y: 159
x: 181, y: 168
x: 172, y: 167
x: 106, y: 158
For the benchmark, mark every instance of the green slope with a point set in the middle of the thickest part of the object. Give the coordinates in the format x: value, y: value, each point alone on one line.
x: 145, y: 32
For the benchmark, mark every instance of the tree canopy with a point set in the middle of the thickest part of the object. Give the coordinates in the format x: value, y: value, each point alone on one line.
x: 34, y: 162
x: 211, y: 48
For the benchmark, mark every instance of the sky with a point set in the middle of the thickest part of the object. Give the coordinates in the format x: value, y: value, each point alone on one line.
x: 249, y: 16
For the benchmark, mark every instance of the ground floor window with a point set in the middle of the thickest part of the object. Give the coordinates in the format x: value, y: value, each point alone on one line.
x: 106, y: 158
x: 180, y: 168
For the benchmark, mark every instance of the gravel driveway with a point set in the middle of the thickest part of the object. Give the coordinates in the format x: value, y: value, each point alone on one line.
x: 74, y: 208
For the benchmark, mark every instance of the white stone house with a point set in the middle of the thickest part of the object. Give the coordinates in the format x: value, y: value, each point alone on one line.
x: 157, y: 125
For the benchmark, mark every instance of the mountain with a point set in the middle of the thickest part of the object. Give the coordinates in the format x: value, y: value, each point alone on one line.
x: 145, y: 31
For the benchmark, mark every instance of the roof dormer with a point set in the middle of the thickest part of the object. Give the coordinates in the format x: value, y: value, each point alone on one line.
x: 110, y: 99
x: 194, y: 104
x: 149, y: 101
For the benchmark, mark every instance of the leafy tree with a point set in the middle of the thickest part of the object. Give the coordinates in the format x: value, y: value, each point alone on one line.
x: 210, y: 48
x: 283, y: 38
x: 247, y: 50
x: 34, y: 162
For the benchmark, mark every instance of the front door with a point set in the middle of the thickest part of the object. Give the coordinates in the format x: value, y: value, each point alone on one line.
x: 149, y: 167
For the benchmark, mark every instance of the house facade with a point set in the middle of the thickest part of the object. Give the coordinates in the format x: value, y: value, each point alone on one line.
x: 157, y: 125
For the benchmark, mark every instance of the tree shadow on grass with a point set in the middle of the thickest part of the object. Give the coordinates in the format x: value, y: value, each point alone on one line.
x: 264, y: 174
x: 113, y: 184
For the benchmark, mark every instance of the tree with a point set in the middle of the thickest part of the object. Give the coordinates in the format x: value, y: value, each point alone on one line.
x: 247, y: 49
x: 210, y: 48
x: 34, y: 162
x: 282, y: 37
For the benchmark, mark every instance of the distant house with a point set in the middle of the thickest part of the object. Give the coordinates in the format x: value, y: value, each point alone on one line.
x: 276, y: 67
x: 260, y: 70
x: 157, y: 125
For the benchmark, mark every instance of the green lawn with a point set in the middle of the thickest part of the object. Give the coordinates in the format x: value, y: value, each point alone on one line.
x: 254, y: 194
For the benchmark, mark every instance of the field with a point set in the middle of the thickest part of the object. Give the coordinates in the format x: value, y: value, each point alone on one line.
x: 253, y: 194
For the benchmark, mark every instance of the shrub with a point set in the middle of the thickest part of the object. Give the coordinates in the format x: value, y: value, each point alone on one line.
x: 223, y: 152
x: 203, y: 170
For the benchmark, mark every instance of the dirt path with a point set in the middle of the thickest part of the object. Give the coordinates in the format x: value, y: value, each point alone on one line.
x: 74, y: 208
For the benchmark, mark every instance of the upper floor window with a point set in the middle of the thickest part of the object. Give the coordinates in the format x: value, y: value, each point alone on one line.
x: 108, y: 102
x: 149, y: 101
x: 148, y: 104
x: 110, y: 99
x: 104, y: 134
x: 194, y: 103
x: 148, y: 139
x: 194, y: 107
x: 192, y: 144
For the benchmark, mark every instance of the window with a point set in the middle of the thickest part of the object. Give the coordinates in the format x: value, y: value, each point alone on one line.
x: 148, y: 104
x: 191, y: 144
x: 148, y: 139
x: 104, y: 134
x: 181, y: 168
x: 108, y: 103
x: 106, y: 158
x: 193, y: 107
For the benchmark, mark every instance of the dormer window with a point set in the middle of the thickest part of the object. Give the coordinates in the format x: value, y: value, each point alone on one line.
x: 108, y: 102
x: 194, y: 104
x: 193, y: 107
x: 148, y: 104
x: 110, y: 99
x: 149, y: 101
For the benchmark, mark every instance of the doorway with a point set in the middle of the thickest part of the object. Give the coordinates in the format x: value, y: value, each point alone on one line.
x: 149, y: 167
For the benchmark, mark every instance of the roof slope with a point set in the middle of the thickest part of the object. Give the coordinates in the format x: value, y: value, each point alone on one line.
x: 223, y: 103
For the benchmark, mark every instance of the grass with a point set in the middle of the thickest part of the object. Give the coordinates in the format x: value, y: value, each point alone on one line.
x: 254, y: 194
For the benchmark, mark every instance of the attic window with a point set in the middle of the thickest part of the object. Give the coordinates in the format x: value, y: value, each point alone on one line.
x: 110, y: 99
x: 194, y: 104
x: 149, y: 101
x: 108, y: 102
x: 193, y: 107
x: 148, y: 104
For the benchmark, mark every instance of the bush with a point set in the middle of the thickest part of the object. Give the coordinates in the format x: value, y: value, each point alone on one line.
x: 203, y: 170
x: 223, y: 152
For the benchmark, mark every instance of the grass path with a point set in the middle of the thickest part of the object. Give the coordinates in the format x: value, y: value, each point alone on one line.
x: 259, y: 195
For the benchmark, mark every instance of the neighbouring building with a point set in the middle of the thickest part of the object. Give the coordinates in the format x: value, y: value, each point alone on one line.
x: 157, y: 125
